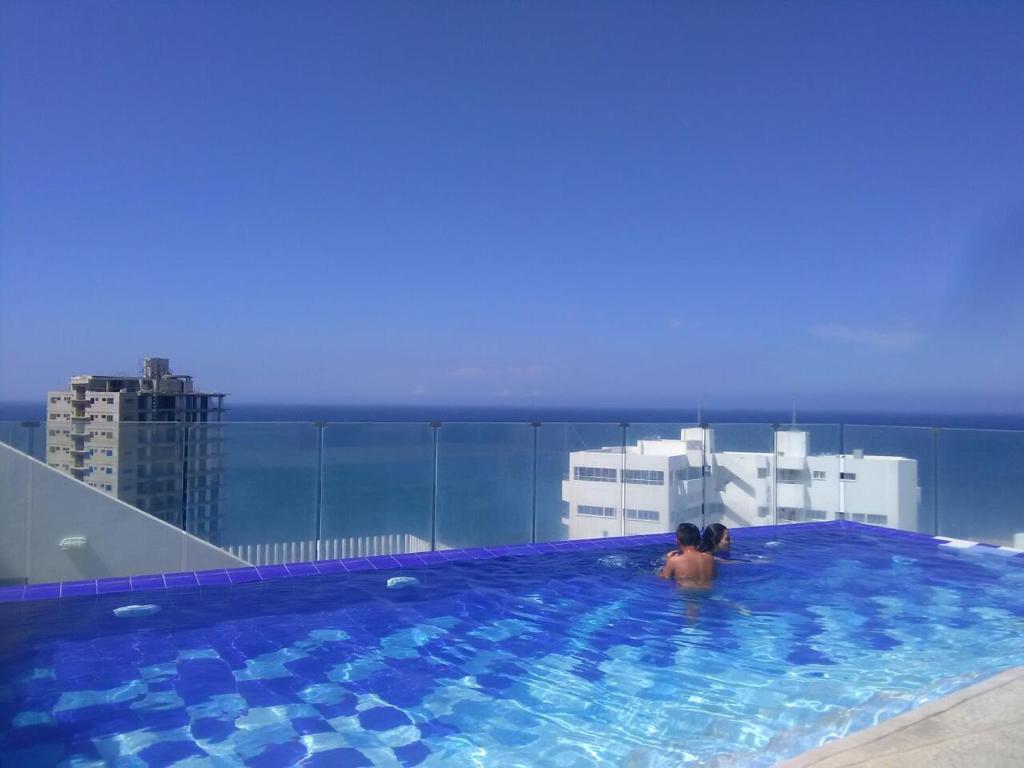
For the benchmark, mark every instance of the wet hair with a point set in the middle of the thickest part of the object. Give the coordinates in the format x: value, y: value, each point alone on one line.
x: 688, y: 535
x: 712, y: 536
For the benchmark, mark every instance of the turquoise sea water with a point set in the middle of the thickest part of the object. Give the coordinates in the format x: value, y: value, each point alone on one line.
x: 501, y: 482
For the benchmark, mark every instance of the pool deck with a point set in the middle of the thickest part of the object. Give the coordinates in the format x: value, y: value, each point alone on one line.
x: 982, y: 725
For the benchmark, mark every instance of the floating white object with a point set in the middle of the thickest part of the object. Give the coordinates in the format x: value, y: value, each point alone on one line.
x: 136, y: 610
x: 396, y: 582
x: 73, y: 542
x: 774, y: 544
x: 614, y: 561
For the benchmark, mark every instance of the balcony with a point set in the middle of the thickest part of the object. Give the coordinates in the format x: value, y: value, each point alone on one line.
x: 81, y: 419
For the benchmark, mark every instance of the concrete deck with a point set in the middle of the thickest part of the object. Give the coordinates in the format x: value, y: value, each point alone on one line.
x: 979, y: 726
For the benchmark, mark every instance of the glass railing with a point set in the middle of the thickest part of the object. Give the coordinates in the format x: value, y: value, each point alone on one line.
x: 283, y: 492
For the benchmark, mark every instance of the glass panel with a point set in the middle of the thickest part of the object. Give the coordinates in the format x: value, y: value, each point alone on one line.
x: 561, y: 490
x: 807, y: 474
x: 203, y: 481
x: 15, y: 473
x: 261, y: 499
x: 378, y: 486
x: 739, y: 484
x: 484, y: 485
x: 908, y: 502
x: 29, y: 437
x: 142, y: 463
x: 981, y: 485
x: 662, y: 484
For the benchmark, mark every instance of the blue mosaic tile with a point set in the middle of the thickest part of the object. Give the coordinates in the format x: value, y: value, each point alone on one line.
x: 432, y: 558
x: 383, y: 718
x: 165, y: 753
x: 41, y: 591
x: 243, y: 575
x: 147, y: 582
x: 359, y: 564
x: 453, y: 555
x: 211, y: 578
x: 212, y: 729
x: 330, y: 566
x: 272, y: 571
x: 77, y: 588
x: 436, y: 729
x: 278, y: 755
x: 344, y: 707
x: 307, y: 725
x: 412, y: 754
x: 107, y: 586
x: 408, y: 561
x: 180, y: 580
x: 301, y: 569
x: 383, y: 562
x: 804, y: 654
x: 343, y: 757
x: 9, y: 594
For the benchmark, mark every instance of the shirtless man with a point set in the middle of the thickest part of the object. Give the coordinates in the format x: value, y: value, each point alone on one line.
x: 689, y: 566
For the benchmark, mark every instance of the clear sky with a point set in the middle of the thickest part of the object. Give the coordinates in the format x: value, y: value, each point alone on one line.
x: 531, y: 202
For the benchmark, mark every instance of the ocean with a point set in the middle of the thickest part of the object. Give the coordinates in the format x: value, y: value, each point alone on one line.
x: 498, y: 480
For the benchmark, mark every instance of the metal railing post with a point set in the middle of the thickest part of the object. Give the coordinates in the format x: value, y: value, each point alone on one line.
x: 622, y: 479
x: 434, y: 426
x: 775, y: 476
x: 535, y: 425
x: 935, y: 480
x: 703, y: 473
x: 320, y: 426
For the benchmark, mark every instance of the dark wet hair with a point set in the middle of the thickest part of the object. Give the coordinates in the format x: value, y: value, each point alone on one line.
x: 712, y: 535
x: 688, y: 535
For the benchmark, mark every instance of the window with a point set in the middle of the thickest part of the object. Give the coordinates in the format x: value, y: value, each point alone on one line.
x: 790, y: 475
x: 694, y: 445
x: 818, y: 474
x: 877, y: 519
x: 643, y: 476
x: 847, y: 475
x: 762, y: 473
x: 589, y: 511
x: 109, y: 452
x: 690, y: 473
x: 597, y: 474
x: 643, y: 514
x: 110, y: 470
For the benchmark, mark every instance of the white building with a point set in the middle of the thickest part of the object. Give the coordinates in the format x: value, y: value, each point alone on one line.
x: 170, y: 471
x: 654, y: 485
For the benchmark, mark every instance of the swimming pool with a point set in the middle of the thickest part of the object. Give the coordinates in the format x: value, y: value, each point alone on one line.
x: 558, y: 659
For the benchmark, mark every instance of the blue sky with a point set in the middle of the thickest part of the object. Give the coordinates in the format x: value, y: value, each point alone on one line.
x: 550, y: 203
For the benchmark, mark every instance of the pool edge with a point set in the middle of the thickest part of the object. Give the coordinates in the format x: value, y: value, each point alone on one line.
x: 980, y: 724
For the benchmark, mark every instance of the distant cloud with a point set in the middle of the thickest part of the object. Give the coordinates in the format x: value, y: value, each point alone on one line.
x: 675, y: 322
x: 525, y: 370
x: 883, y: 339
x: 418, y: 390
x: 504, y: 393
x: 466, y: 372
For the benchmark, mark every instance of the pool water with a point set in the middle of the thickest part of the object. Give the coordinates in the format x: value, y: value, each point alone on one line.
x: 565, y: 659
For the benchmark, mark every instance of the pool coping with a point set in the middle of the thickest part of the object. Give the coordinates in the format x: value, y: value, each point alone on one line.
x: 980, y: 721
x: 247, y: 574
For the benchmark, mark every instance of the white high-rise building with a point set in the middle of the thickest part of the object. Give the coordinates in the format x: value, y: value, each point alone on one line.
x: 654, y: 485
x: 101, y: 431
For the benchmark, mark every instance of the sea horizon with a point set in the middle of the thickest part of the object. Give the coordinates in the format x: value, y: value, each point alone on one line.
x: 302, y: 412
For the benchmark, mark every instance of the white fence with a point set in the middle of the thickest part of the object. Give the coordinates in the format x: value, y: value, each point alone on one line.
x: 330, y: 549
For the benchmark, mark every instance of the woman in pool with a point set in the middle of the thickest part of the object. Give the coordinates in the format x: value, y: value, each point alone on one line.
x: 716, y: 540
